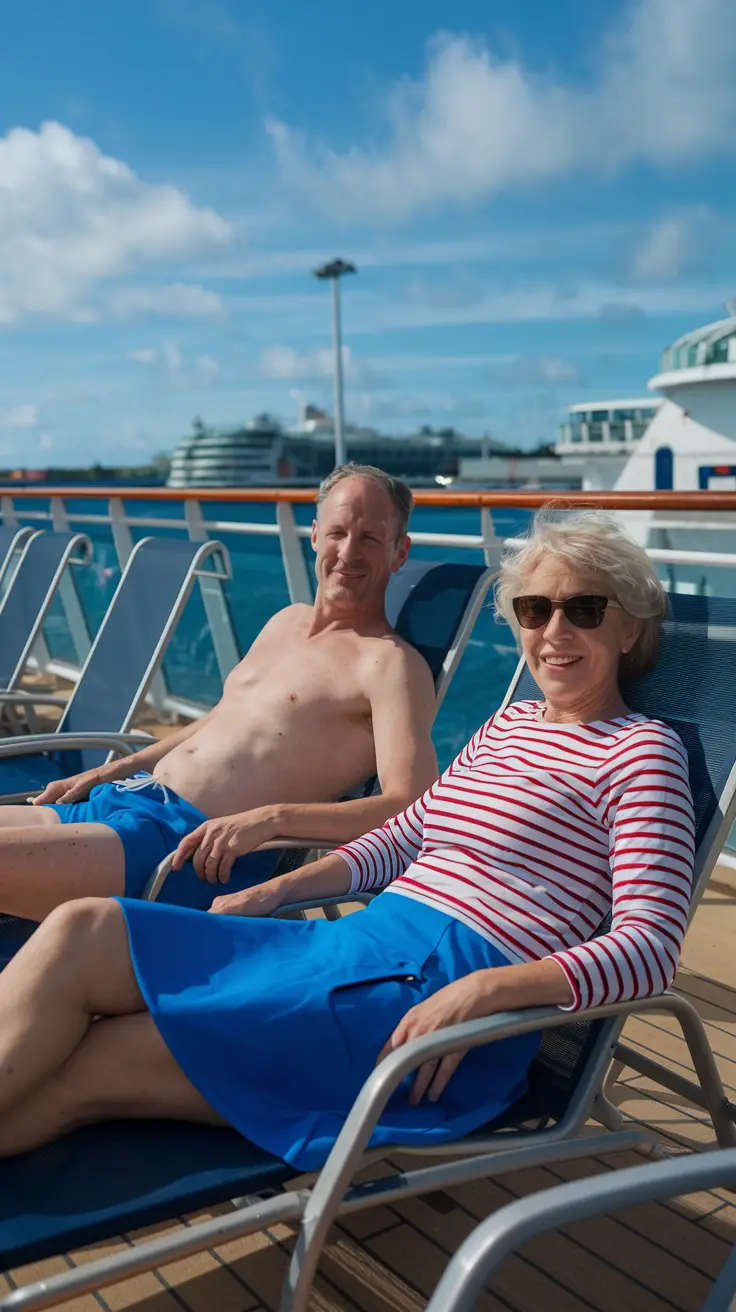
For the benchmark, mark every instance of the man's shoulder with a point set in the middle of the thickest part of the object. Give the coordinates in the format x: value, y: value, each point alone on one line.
x: 289, y: 616
x: 388, y: 653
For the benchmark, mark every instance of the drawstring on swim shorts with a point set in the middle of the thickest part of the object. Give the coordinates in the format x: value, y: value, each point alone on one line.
x: 139, y: 782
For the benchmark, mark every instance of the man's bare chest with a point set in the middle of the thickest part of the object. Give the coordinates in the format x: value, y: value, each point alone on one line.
x: 299, y: 680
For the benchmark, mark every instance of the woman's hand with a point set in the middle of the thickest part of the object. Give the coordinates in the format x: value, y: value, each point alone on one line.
x: 216, y: 844
x: 261, y: 900
x: 465, y: 999
x: 483, y: 993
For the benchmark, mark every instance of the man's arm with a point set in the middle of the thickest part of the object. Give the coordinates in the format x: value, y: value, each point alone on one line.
x: 402, y: 700
x: 79, y: 786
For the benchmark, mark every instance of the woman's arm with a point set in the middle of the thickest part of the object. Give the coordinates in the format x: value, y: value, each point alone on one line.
x: 647, y: 807
x: 329, y: 877
x: 378, y: 858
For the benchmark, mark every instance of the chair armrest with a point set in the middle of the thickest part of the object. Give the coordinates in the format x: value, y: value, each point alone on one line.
x: 502, y: 1233
x: 125, y: 744
x: 31, y: 699
x: 163, y: 870
x: 347, y: 1152
x: 322, y: 844
x: 158, y: 878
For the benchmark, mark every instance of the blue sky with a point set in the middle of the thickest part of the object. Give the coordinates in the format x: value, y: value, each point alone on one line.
x: 539, y: 198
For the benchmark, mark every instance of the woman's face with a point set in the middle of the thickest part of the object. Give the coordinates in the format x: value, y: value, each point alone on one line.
x: 576, y: 669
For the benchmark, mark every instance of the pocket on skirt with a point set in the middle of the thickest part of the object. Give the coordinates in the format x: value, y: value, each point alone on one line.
x: 368, y: 1010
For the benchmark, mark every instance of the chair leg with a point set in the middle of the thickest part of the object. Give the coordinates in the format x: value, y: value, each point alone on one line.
x: 604, y: 1111
x: 614, y: 1075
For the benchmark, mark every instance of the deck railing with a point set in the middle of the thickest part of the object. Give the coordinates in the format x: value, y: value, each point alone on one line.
x: 125, y: 512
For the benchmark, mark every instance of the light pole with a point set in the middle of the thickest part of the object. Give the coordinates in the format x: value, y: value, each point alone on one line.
x: 334, y: 270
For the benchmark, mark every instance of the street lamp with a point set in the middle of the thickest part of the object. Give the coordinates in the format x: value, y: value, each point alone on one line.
x: 334, y: 270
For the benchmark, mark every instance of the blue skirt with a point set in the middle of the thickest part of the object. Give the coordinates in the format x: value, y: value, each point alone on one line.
x: 278, y: 1023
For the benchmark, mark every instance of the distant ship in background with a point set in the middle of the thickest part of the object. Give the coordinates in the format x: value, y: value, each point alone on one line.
x: 682, y: 439
x: 265, y: 453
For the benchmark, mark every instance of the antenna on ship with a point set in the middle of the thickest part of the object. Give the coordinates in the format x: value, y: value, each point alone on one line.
x: 334, y: 271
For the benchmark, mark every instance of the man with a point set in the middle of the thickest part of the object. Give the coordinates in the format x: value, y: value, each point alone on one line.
x: 327, y: 696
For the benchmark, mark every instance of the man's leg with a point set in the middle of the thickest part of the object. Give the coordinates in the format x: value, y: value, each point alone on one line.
x: 44, y: 865
x: 59, y: 1066
x: 13, y: 816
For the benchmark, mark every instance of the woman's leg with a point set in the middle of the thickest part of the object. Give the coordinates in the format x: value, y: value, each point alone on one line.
x: 59, y: 1066
x: 121, y: 1069
x: 76, y: 966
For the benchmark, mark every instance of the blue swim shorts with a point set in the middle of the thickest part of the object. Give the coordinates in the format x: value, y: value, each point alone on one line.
x: 150, y: 821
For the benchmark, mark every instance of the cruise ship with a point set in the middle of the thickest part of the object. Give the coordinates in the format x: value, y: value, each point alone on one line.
x: 687, y: 444
x: 264, y: 453
x: 681, y: 440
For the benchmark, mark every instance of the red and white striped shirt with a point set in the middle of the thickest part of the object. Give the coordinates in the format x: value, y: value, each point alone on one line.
x: 537, y: 830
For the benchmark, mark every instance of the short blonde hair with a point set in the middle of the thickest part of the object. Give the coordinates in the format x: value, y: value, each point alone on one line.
x: 592, y: 543
x: 398, y: 492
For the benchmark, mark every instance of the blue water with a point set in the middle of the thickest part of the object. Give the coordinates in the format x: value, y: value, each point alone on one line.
x: 258, y: 589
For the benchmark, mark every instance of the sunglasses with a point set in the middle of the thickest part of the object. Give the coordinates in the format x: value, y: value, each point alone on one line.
x: 584, y: 611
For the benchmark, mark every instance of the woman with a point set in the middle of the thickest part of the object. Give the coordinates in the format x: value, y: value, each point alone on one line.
x: 496, y: 880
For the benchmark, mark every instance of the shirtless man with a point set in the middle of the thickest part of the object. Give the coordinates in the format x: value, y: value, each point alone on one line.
x: 327, y: 696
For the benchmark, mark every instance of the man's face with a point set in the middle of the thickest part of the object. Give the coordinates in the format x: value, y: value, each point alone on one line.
x: 354, y: 536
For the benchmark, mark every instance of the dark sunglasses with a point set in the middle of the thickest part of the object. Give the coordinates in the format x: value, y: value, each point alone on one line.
x: 584, y: 611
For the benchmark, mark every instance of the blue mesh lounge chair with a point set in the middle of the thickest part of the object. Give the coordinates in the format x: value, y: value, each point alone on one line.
x: 432, y: 606
x: 12, y: 539
x: 105, y: 1180
x: 26, y: 601
x: 125, y: 655
x: 497, y: 1238
x: 117, y: 673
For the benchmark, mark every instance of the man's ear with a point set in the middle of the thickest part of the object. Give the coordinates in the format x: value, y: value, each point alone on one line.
x: 314, y: 535
x: 402, y: 551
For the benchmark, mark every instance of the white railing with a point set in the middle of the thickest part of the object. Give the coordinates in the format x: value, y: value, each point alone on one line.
x: 693, y: 511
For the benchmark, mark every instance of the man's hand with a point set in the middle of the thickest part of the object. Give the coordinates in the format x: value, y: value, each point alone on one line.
x: 261, y: 900
x: 74, y: 789
x: 456, y: 1002
x: 216, y: 844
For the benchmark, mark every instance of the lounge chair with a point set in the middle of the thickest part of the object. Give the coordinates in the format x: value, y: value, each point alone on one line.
x: 42, y: 561
x: 497, y: 1238
x: 124, y: 657
x: 106, y: 1180
x: 432, y: 606
x: 12, y: 538
x: 117, y: 673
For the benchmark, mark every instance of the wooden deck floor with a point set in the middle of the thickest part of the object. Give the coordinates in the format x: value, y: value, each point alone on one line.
x: 645, y: 1260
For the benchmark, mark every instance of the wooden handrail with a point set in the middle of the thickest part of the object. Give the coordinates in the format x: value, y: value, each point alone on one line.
x: 703, y: 501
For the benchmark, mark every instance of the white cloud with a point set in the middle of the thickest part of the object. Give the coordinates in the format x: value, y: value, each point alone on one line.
x: 175, y: 301
x: 661, y: 253
x: 669, y: 246
x: 533, y: 371
x: 477, y: 124
x: 285, y: 364
x: 19, y: 416
x: 168, y: 361
x: 71, y: 216
x: 207, y: 368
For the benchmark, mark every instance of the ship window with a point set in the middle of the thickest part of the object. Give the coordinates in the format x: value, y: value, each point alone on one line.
x: 664, y: 469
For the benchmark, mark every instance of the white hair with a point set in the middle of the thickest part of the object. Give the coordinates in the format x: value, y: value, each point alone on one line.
x: 591, y: 543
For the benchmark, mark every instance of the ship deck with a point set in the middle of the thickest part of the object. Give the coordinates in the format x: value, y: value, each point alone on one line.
x: 647, y: 1259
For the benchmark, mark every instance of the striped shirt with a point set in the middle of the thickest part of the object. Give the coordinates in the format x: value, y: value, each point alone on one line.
x: 537, y: 830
